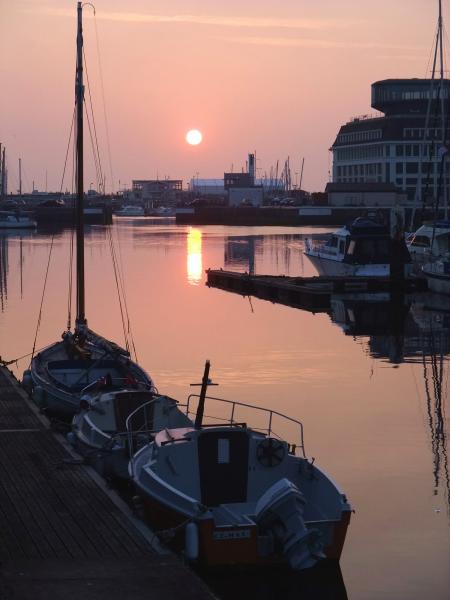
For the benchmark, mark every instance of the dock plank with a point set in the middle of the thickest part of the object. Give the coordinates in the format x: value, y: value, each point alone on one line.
x: 63, y: 535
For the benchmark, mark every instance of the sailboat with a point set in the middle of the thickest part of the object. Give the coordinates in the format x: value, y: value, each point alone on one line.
x: 61, y: 374
x: 430, y: 244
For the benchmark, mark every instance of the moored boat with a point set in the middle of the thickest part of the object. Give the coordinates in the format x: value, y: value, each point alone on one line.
x: 130, y: 211
x: 437, y: 274
x: 16, y: 220
x: 362, y: 248
x: 233, y: 494
x: 430, y: 240
x: 60, y: 374
x: 99, y: 428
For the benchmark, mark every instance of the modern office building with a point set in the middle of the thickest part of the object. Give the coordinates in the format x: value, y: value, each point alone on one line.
x: 403, y: 144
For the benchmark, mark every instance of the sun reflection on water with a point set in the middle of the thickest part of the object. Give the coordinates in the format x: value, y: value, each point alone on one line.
x: 194, y: 256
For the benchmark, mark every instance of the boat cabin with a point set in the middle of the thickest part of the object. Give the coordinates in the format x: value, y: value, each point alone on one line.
x: 228, y: 469
x: 361, y: 242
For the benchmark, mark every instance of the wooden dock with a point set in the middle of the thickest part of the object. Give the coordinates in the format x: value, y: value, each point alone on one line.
x: 63, y: 533
x: 309, y: 293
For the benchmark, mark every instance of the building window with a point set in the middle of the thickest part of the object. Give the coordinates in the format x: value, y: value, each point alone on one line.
x: 412, y: 167
x: 399, y: 168
x: 399, y: 150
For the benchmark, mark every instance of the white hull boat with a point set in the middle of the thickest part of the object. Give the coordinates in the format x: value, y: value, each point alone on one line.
x: 430, y: 240
x: 16, y: 221
x: 362, y: 249
x: 130, y: 211
x: 230, y: 494
x: 437, y: 274
x: 99, y: 428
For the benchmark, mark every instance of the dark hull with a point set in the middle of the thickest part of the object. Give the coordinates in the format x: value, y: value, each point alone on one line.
x: 241, y: 548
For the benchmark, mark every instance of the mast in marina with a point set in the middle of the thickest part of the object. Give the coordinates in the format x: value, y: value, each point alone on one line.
x: 79, y: 99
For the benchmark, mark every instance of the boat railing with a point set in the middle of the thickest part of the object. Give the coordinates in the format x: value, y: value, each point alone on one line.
x: 144, y: 426
x: 235, y: 417
x: 116, y: 382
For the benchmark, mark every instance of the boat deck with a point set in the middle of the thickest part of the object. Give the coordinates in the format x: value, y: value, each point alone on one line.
x: 63, y: 533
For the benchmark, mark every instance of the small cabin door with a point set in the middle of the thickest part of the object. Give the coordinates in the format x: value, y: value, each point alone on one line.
x: 223, y: 466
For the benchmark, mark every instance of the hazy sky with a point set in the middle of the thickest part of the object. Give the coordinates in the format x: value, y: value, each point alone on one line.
x: 275, y: 76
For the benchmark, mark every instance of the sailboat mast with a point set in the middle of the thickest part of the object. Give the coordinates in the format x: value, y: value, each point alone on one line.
x: 79, y: 97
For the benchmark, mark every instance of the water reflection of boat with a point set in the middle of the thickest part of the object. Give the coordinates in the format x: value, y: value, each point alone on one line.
x: 324, y: 582
x: 431, y: 314
x: 397, y: 328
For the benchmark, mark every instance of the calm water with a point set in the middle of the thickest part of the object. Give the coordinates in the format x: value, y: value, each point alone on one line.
x: 369, y: 383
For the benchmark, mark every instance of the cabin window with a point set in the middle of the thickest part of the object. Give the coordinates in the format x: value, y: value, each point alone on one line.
x: 332, y: 242
x: 421, y: 240
x: 342, y: 247
x: 223, y: 451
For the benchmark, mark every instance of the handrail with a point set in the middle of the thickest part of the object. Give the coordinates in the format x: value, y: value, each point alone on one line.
x: 270, y: 413
x: 128, y: 425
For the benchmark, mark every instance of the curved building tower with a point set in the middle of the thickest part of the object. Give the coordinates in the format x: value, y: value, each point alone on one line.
x: 404, y: 146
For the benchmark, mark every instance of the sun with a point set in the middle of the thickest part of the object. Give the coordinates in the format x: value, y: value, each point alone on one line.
x: 194, y: 137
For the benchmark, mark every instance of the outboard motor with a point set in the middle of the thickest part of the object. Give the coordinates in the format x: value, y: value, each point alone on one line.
x: 279, y: 511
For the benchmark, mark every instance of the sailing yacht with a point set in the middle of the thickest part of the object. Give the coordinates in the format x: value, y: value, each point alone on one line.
x: 60, y: 374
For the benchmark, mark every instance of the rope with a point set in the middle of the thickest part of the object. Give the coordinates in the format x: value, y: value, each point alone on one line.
x: 94, y: 137
x: 104, y: 107
x: 6, y: 363
x: 121, y: 278
x: 114, y: 261
x: 51, y: 245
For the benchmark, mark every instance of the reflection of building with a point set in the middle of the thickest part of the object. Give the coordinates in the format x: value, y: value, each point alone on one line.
x: 194, y: 256
x: 240, y: 251
x: 393, y: 147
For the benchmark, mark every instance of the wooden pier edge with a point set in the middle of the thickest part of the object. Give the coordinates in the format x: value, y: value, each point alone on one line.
x: 134, y: 565
x: 145, y: 531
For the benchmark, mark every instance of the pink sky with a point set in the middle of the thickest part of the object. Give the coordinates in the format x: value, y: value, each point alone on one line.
x: 275, y: 77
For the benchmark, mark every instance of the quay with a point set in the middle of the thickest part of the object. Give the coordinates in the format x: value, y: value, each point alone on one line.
x: 310, y: 293
x: 51, y: 215
x: 63, y: 532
